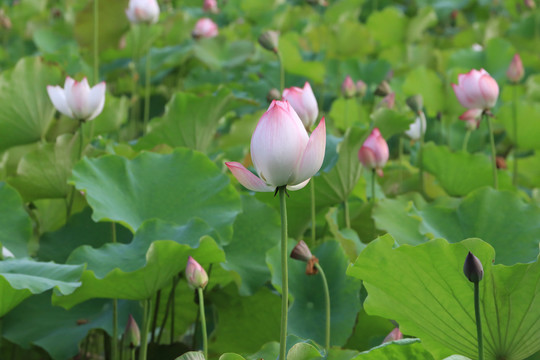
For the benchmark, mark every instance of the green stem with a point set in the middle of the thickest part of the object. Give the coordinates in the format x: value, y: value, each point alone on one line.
x: 96, y: 41
x: 347, y: 215
x: 132, y: 354
x: 373, y: 196
x: 284, y: 275
x: 421, y: 152
x: 466, y: 140
x: 478, y: 321
x: 147, y: 92
x: 114, y: 343
x: 313, y: 212
x: 145, y: 329
x: 346, y: 111
x: 173, y: 298
x: 400, y: 154
x: 79, y: 154
x: 154, y: 319
x: 327, y: 300
x: 493, y: 155
x: 281, y: 73
x: 203, y: 322
x: 514, y: 115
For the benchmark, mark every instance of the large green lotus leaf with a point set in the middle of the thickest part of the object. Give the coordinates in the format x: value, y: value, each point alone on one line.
x: 36, y: 322
x: 294, y: 63
x: 388, y: 26
x: 418, y: 25
x: 80, y: 230
x: 529, y: 171
x: 347, y: 112
x: 499, y: 54
x: 528, y: 129
x: 21, y: 278
x: 255, y: 231
x: 190, y: 121
x: 404, y: 349
x: 173, y: 187
x: 459, y: 173
x: 500, y: 218
x: 244, y: 322
x: 136, y: 271
x: 397, y: 217
x: 303, y: 351
x: 27, y: 110
x: 15, y: 222
x: 427, y: 83
x: 423, y: 288
x: 43, y: 173
x: 307, y: 314
x: 115, y: 113
x: 370, y: 333
x: 390, y: 122
x: 223, y: 54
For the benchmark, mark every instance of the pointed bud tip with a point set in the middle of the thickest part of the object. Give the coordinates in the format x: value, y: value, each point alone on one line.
x: 473, y: 268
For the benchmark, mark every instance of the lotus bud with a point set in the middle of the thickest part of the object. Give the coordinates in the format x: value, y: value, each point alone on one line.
x: 361, y: 88
x: 273, y: 94
x: 205, y: 28
x: 301, y: 252
x: 476, y: 90
x: 211, y: 6
x: 195, y: 274
x: 77, y: 100
x: 472, y: 268
x: 143, y: 11
x: 132, y: 335
x: 515, y: 70
x: 393, y: 335
x: 383, y: 89
x: 270, y: 40
x: 348, y: 88
x: 530, y: 4
x: 388, y: 101
x: 374, y: 152
x: 472, y: 118
x: 304, y: 103
x: 416, y: 103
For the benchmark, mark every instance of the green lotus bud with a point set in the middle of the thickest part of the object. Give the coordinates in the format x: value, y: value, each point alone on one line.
x: 132, y: 335
x: 269, y: 40
x: 383, y: 89
x: 473, y: 269
x: 415, y: 102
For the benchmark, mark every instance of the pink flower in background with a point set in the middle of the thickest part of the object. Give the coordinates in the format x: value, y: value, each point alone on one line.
x: 77, y: 100
x: 211, y: 6
x: 393, y: 335
x: 361, y: 88
x: 205, y: 28
x: 282, y: 152
x: 472, y: 117
x: 388, y: 101
x: 348, y: 87
x: 143, y: 11
x: 515, y: 70
x: 195, y: 274
x: 476, y: 90
x: 304, y: 103
x: 374, y: 152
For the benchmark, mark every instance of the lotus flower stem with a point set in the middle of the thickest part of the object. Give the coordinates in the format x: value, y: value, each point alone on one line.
x: 147, y: 305
x: 478, y: 321
x: 466, y: 140
x: 313, y: 213
x: 114, y: 345
x: 96, y: 41
x: 172, y: 298
x: 281, y: 73
x: 284, y: 275
x: 347, y: 215
x: 154, y: 319
x: 327, y: 305
x: 203, y: 322
x: 373, y: 195
x: 514, y: 118
x: 79, y: 154
x: 493, y: 154
x: 147, y: 92
x: 421, y: 153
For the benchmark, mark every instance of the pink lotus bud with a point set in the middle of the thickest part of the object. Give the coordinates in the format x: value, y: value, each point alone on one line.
x: 515, y: 70
x: 195, y: 274
x: 476, y: 90
x: 388, y: 101
x: 473, y: 269
x: 132, y: 334
x: 301, y: 252
x: 282, y: 152
x: 361, y: 88
x: 530, y: 4
x: 205, y: 28
x: 143, y: 11
x: 374, y: 152
x: 393, y: 335
x: 418, y: 128
x: 472, y: 117
x: 270, y: 40
x: 304, y: 103
x: 77, y: 100
x: 211, y: 6
x: 348, y: 88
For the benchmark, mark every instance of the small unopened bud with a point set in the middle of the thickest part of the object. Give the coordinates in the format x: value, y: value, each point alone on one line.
x: 269, y: 40
x: 195, y: 274
x: 393, y: 335
x: 273, y: 94
x: 5, y: 21
x: 348, y: 88
x: 383, y: 89
x: 515, y: 70
x: 500, y: 162
x: 415, y: 102
x: 361, y: 88
x: 132, y: 335
x: 473, y: 269
x: 211, y: 6
x: 301, y: 252
x: 530, y: 4
x: 388, y: 101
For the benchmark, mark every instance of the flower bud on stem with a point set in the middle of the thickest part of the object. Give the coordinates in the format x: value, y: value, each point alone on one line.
x: 284, y: 275
x: 474, y: 271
